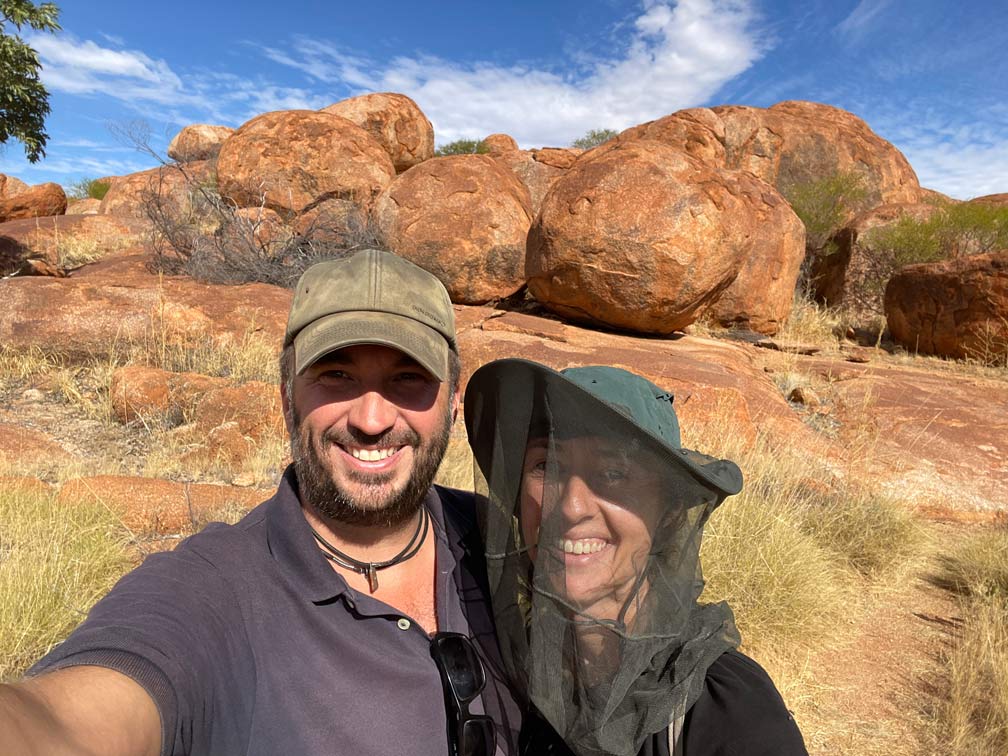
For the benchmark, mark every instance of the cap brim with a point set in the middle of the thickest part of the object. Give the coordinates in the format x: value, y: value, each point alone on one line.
x: 344, y: 329
x: 513, y: 380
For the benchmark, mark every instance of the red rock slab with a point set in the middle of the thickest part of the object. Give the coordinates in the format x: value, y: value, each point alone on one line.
x: 140, y: 391
x: 112, y: 304
x: 49, y: 238
x: 936, y: 439
x: 152, y: 505
x: 24, y: 485
x: 20, y: 445
x: 253, y: 406
x: 714, y: 382
x: 168, y: 184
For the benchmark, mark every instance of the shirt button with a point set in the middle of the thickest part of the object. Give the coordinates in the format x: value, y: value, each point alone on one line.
x: 403, y: 623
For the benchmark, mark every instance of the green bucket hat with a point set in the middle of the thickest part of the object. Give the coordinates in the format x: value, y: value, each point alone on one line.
x: 621, y: 399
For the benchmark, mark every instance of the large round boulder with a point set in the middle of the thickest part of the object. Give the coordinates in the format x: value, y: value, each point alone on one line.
x: 11, y: 185
x: 698, y: 132
x: 955, y: 308
x: 500, y: 143
x: 36, y: 201
x: 761, y: 296
x: 198, y: 141
x: 795, y: 143
x: 465, y: 219
x: 291, y: 160
x: 641, y: 237
x: 395, y: 121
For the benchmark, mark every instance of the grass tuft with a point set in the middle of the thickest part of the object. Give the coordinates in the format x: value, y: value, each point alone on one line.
x: 55, y: 562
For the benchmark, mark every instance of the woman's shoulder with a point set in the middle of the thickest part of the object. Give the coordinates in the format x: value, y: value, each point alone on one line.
x: 740, y: 712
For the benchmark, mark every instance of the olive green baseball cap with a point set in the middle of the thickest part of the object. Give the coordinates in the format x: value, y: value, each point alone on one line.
x: 371, y: 297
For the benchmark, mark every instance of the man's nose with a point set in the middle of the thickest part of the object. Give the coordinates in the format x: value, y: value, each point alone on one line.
x: 372, y: 413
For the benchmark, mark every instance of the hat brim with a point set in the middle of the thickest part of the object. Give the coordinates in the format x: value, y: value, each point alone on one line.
x: 343, y: 329
x: 511, y: 383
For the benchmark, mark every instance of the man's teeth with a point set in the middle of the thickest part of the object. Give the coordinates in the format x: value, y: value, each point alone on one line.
x: 372, y: 455
x: 580, y: 547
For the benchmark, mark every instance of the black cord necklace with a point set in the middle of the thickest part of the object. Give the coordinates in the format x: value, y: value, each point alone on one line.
x: 370, y: 569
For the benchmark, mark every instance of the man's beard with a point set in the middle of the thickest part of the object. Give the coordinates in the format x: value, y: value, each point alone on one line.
x: 319, y: 489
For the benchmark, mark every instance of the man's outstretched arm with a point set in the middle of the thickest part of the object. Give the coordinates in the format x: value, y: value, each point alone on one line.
x: 79, y: 711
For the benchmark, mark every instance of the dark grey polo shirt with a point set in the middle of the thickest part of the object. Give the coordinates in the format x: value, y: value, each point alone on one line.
x: 250, y: 643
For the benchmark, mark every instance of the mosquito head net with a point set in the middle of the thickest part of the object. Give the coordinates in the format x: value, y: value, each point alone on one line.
x: 592, y: 529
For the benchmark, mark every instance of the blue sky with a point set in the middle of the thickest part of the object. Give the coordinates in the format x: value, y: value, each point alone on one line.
x: 931, y: 76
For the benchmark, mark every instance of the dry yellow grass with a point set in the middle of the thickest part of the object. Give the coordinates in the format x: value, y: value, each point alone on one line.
x: 973, y: 719
x: 55, y: 562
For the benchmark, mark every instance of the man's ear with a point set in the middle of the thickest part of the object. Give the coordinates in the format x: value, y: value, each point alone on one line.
x: 455, y: 402
x: 285, y: 404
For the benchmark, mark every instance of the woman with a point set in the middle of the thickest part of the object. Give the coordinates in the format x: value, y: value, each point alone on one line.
x: 592, y: 534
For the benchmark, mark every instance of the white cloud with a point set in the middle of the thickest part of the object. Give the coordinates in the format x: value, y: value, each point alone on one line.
x: 677, y: 55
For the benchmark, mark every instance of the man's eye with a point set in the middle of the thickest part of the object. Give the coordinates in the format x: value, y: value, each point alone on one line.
x: 411, y: 377
x: 332, y: 375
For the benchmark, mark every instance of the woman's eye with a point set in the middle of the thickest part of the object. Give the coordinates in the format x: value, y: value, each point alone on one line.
x: 613, y: 475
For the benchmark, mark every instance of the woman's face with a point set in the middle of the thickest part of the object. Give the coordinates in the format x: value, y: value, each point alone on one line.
x: 589, y: 508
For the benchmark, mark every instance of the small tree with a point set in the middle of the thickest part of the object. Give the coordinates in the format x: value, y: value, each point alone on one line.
x: 24, y: 102
x: 593, y: 138
x: 462, y: 147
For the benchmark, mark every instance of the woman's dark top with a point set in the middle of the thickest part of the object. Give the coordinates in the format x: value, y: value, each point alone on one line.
x: 739, y: 713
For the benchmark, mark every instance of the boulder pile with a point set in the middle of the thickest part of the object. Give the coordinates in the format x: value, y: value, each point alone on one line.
x: 677, y: 219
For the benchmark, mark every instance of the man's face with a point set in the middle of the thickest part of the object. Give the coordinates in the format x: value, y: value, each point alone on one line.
x: 369, y: 427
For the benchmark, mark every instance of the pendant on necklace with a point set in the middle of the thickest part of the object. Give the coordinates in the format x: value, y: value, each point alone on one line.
x: 372, y: 578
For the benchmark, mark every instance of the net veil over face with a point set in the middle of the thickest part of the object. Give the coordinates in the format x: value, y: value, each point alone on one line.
x: 592, y: 532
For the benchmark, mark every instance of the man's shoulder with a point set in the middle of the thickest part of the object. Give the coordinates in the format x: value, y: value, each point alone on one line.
x: 459, y: 506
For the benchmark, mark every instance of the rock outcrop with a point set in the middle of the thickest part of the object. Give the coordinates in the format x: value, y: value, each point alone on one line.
x: 854, y: 274
x: 291, y: 160
x: 395, y: 121
x: 641, y: 237
x: 788, y: 145
x: 167, y: 186
x: 956, y: 308
x: 199, y: 141
x: 34, y: 202
x: 465, y: 219
x: 538, y: 170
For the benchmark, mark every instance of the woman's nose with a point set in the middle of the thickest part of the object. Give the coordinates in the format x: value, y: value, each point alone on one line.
x: 576, y: 499
x: 372, y: 414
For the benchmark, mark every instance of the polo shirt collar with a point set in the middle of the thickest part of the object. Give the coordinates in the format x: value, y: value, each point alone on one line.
x: 292, y: 544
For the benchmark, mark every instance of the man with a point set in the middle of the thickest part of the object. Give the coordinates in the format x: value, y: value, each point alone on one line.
x: 305, y: 628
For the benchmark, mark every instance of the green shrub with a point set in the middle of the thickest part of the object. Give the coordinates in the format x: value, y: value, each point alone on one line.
x: 593, y: 138
x: 951, y: 231
x: 462, y: 147
x: 88, y: 189
x: 825, y: 204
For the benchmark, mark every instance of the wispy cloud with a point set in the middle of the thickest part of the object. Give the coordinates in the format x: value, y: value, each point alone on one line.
x: 861, y: 20
x: 674, y: 56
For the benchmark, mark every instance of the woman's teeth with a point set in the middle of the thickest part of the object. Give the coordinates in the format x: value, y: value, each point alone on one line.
x: 372, y: 455
x: 580, y: 547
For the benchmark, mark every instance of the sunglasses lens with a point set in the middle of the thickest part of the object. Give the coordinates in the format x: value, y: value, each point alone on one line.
x: 462, y: 666
x: 476, y: 737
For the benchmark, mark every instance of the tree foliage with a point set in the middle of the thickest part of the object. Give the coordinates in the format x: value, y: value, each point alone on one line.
x: 462, y: 147
x: 593, y: 138
x: 24, y: 102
